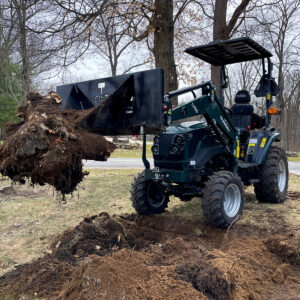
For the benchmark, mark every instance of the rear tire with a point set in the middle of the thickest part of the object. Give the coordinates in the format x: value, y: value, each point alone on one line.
x: 274, y: 176
x: 147, y: 196
x: 223, y: 199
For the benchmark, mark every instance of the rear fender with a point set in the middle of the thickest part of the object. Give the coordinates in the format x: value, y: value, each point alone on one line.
x: 275, y: 137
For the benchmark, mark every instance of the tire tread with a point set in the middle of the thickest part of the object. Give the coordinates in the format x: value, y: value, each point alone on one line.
x: 212, y: 203
x: 138, y: 197
x: 267, y: 189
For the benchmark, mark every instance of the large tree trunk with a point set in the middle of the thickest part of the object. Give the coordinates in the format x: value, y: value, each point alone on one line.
x: 223, y: 29
x: 20, y: 7
x: 163, y: 50
x: 219, y: 33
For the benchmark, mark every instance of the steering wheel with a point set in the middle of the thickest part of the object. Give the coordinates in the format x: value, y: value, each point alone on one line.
x: 229, y: 111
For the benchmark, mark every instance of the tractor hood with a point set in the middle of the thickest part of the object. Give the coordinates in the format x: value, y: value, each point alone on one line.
x: 185, y: 127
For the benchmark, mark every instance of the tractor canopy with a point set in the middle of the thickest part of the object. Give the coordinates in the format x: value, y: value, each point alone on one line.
x: 220, y: 53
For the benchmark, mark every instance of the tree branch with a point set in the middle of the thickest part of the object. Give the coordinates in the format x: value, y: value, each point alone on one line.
x: 238, y: 11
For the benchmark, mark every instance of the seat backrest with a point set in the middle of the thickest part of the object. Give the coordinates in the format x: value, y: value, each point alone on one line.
x: 242, y: 111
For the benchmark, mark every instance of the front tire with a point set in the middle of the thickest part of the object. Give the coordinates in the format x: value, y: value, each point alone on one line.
x: 274, y: 176
x: 147, y: 196
x: 223, y: 199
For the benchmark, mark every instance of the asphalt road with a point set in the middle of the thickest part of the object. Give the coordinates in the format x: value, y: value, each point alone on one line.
x: 136, y: 163
x: 294, y: 167
x: 117, y: 163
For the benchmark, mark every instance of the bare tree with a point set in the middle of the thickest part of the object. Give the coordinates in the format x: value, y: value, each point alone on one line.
x: 7, y: 40
x: 157, y: 26
x: 21, y: 7
x: 223, y: 29
x: 67, y: 26
x: 111, y: 40
x: 226, y: 25
x: 279, y: 29
x: 291, y: 121
x: 78, y: 23
x: 32, y: 51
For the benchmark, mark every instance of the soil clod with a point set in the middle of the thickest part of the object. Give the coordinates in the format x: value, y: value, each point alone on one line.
x: 284, y: 249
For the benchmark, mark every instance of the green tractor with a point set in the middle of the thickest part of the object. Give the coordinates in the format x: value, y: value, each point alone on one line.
x: 229, y: 148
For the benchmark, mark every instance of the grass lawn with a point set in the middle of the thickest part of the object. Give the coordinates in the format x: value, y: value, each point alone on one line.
x: 31, y: 217
x: 294, y: 158
x: 135, y: 153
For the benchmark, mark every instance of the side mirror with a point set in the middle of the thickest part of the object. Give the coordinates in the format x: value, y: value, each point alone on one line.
x: 262, y: 87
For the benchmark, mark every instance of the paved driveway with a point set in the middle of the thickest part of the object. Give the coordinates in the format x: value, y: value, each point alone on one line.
x: 117, y: 163
x: 294, y: 167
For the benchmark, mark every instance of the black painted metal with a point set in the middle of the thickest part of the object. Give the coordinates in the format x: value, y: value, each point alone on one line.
x: 144, y: 158
x: 130, y: 101
x: 220, y: 53
x: 223, y: 83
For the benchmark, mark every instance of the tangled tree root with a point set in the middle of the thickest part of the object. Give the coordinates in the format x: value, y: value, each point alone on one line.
x: 47, y: 146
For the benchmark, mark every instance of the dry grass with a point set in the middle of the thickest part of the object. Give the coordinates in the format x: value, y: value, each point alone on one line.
x: 134, y: 153
x: 295, y: 158
x: 31, y: 217
x: 137, y: 153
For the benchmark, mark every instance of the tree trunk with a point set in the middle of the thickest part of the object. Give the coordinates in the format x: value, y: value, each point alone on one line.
x: 113, y: 68
x: 163, y: 50
x: 219, y: 33
x: 280, y: 101
x: 20, y: 7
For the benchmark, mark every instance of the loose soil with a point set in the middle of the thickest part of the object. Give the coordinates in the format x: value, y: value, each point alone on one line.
x: 48, y: 146
x: 161, y: 257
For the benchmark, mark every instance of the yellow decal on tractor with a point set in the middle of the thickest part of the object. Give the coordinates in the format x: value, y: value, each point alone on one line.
x: 263, y: 142
x: 238, y: 149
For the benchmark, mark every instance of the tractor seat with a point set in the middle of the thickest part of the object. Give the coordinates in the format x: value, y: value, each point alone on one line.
x: 242, y: 112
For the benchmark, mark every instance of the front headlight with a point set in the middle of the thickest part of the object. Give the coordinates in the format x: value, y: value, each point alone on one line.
x: 178, y: 139
x: 174, y: 149
x: 156, y: 139
x: 177, y: 144
x: 154, y: 149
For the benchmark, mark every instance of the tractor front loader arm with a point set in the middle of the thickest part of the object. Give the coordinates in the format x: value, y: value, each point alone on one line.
x: 214, y: 113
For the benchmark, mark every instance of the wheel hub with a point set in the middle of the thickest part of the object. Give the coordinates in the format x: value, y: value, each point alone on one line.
x: 281, y: 176
x: 232, y: 200
x: 156, y: 195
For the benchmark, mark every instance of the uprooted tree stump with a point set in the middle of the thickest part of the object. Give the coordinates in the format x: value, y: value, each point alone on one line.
x: 48, y: 147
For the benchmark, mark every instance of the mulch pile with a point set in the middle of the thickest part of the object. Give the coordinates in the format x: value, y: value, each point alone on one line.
x: 160, y: 257
x: 48, y: 146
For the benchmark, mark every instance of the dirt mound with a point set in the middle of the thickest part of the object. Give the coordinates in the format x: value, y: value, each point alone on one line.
x: 100, y: 235
x: 294, y: 195
x: 158, y: 257
x: 209, y: 274
x: 126, y: 275
x: 44, y: 277
x: 284, y: 249
x: 47, y: 147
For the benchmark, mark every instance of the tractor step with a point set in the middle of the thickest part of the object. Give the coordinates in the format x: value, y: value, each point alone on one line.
x: 247, y: 165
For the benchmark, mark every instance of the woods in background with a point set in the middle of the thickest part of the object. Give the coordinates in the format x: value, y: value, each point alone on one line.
x: 42, y: 39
